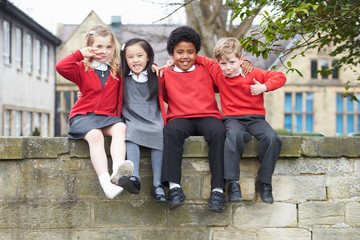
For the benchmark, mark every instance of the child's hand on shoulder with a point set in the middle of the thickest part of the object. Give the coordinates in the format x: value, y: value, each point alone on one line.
x: 257, y: 88
x: 246, y: 67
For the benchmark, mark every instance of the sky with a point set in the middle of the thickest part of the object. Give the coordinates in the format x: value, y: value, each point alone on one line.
x: 49, y: 13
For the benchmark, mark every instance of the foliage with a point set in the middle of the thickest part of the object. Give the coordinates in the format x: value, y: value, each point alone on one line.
x: 307, y: 24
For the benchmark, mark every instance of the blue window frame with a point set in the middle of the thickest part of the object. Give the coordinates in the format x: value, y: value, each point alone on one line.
x: 299, y: 112
x: 347, y: 115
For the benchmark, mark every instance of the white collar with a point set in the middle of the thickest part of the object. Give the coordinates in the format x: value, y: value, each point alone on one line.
x: 177, y: 69
x: 99, y: 66
x: 142, y: 76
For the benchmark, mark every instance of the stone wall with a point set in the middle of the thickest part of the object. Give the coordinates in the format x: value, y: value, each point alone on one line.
x: 49, y: 190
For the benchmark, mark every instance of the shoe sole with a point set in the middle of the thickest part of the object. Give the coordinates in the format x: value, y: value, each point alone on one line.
x: 235, y: 199
x: 176, y: 204
x: 259, y: 196
x: 125, y: 169
x: 127, y: 184
x: 214, y: 209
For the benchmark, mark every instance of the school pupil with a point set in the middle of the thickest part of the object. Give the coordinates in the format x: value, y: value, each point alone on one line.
x: 144, y: 114
x: 242, y: 103
x: 192, y: 110
x: 94, y: 69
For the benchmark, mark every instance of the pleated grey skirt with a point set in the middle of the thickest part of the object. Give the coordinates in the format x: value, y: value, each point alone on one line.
x: 80, y: 125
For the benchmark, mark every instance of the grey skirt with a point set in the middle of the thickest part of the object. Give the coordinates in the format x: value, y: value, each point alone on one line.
x: 80, y: 125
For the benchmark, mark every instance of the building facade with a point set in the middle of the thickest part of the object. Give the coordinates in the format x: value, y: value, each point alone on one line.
x: 27, y: 79
x: 314, y: 103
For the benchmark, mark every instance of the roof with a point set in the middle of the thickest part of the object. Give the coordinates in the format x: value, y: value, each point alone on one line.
x: 15, y: 12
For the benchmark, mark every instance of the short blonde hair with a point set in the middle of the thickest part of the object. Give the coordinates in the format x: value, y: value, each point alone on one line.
x: 227, y: 45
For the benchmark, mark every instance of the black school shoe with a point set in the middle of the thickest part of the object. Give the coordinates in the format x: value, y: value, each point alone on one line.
x: 130, y: 184
x: 216, y: 201
x: 176, y: 197
x: 234, y: 192
x: 158, y: 197
x: 265, y: 191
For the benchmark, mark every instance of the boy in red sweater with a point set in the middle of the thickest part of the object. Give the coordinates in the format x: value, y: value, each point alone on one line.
x: 192, y: 110
x: 242, y: 104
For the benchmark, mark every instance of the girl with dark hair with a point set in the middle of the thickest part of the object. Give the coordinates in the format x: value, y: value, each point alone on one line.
x: 144, y: 113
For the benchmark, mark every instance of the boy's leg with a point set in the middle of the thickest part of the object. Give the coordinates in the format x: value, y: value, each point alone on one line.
x: 214, y: 132
x: 236, y: 137
x: 269, y: 147
x: 175, y: 133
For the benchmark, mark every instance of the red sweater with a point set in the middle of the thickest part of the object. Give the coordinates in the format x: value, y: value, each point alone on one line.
x: 189, y: 94
x: 105, y: 101
x: 235, y: 95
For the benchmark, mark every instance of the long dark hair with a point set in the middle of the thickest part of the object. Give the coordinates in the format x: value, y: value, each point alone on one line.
x: 153, y: 80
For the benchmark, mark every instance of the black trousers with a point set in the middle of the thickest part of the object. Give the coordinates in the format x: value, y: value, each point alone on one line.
x: 175, y: 133
x: 238, y: 132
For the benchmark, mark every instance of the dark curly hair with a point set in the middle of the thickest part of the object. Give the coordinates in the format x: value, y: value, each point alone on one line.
x: 180, y: 34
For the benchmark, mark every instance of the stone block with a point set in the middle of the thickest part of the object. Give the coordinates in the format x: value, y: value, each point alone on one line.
x: 336, y: 233
x: 36, y: 147
x: 41, y: 214
x: 79, y: 148
x: 330, y: 147
x: 299, y: 188
x: 11, y: 148
x: 330, y: 167
x: 195, y: 146
x: 291, y: 146
x: 10, y: 179
x: 284, y: 234
x: 127, y: 214
x: 174, y: 233
x: 321, y: 213
x: 198, y: 216
x: 260, y: 214
x: 234, y: 234
x: 353, y: 214
x: 344, y: 187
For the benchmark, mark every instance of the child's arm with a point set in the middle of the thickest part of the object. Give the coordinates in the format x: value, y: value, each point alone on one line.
x: 69, y: 67
x: 267, y: 81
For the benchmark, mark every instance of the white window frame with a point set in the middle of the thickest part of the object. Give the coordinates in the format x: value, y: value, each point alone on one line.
x: 7, y: 42
x: 45, y: 61
x: 38, y: 57
x: 19, y: 48
x: 29, y: 53
x: 7, y: 114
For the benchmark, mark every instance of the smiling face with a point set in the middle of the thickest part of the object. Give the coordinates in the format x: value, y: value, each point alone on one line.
x: 184, y: 55
x: 136, y: 58
x: 103, y: 48
x: 230, y: 64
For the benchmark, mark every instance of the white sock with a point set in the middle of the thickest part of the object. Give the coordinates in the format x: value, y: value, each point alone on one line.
x: 218, y: 190
x: 110, y: 190
x: 173, y: 185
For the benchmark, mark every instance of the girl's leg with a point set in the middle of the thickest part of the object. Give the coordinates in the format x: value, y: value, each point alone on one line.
x: 133, y: 153
x: 95, y: 139
x: 156, y: 163
x: 121, y: 167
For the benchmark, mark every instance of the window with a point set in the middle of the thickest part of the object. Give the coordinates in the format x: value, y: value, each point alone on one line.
x: 299, y: 112
x: 37, y: 57
x: 347, y: 115
x: 7, y: 42
x: 7, y: 122
x: 28, y: 123
x: 29, y: 53
x: 320, y: 64
x: 45, y: 61
x: 19, y: 48
x: 45, y: 125
x: 64, y: 102
x: 18, y: 123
